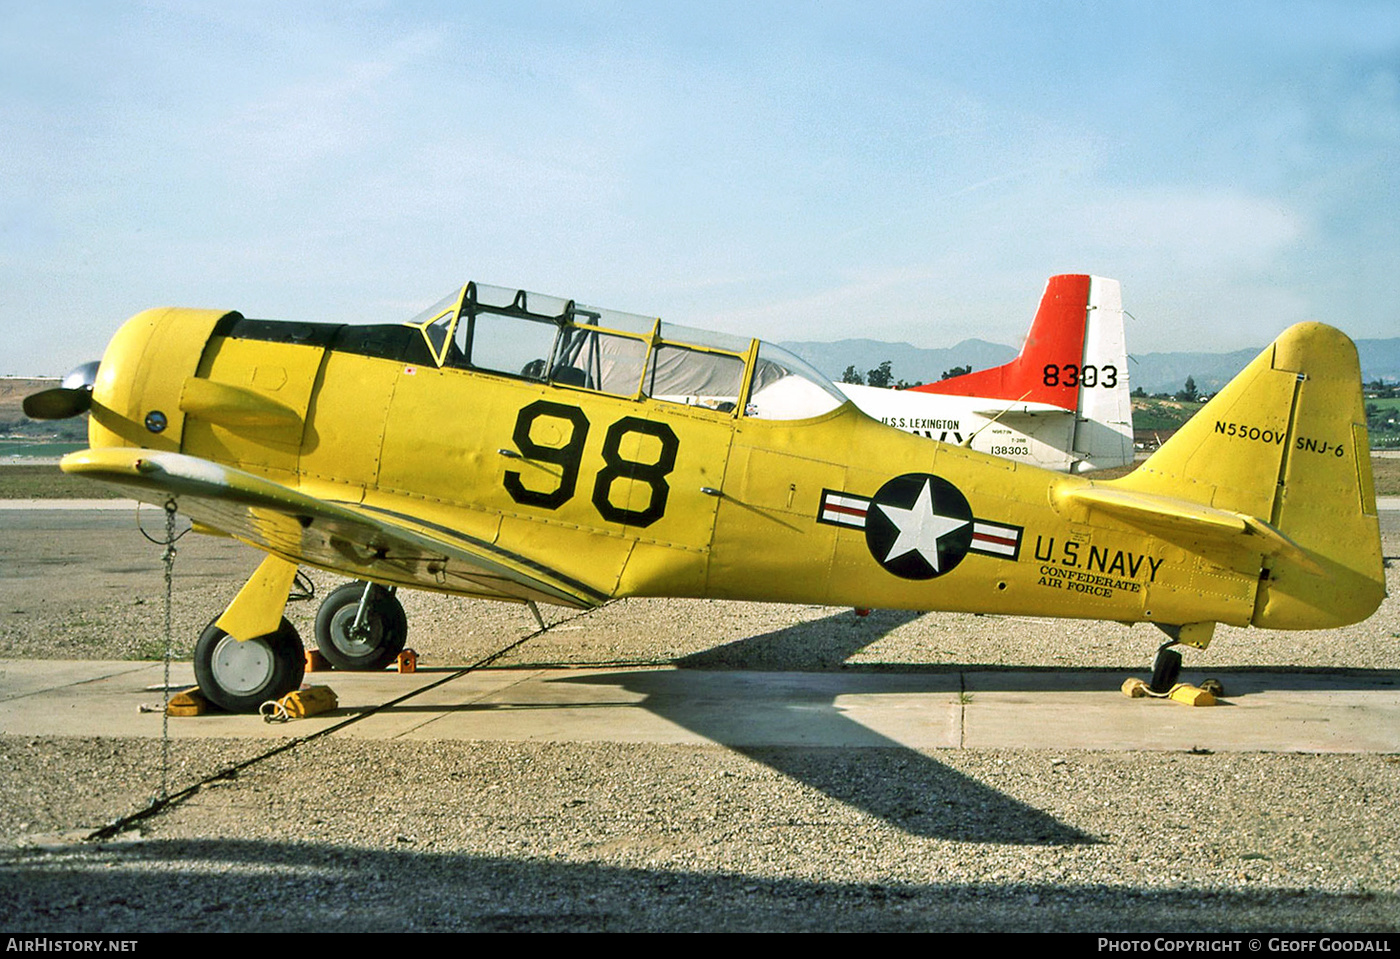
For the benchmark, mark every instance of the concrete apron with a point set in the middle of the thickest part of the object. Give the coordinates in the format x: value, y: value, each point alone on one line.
x: 1052, y: 709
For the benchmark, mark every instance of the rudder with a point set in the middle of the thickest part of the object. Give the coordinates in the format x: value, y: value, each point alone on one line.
x: 1327, y: 498
x: 1103, y: 431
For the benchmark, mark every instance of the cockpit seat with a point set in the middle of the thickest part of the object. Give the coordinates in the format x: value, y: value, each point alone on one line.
x: 569, y: 376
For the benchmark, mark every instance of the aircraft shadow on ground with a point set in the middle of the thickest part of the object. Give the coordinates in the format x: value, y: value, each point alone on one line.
x: 902, y: 786
x: 864, y: 769
x: 824, y: 643
x: 854, y: 764
x: 857, y: 765
x: 928, y: 798
x: 209, y: 885
x: 828, y: 643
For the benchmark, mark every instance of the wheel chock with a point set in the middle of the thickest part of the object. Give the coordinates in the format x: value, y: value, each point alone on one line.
x: 1203, y: 695
x: 316, y: 662
x: 304, y: 702
x: 191, y: 702
x: 1192, y: 695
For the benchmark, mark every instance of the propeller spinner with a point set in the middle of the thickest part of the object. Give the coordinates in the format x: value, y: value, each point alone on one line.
x: 74, y: 396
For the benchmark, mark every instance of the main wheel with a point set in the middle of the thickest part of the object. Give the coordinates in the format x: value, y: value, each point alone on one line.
x: 380, y: 637
x: 241, y: 676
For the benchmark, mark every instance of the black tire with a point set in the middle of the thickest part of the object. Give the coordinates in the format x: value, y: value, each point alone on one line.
x: 386, y: 627
x: 241, y: 676
x: 1166, y: 671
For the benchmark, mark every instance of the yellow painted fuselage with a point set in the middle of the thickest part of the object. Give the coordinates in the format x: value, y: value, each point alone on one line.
x: 633, y: 495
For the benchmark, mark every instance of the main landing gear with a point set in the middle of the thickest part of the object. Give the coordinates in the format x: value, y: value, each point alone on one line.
x: 241, y: 676
x: 361, y: 626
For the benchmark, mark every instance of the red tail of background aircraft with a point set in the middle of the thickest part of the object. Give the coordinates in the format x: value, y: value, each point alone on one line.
x: 1063, y: 403
x: 1051, y: 364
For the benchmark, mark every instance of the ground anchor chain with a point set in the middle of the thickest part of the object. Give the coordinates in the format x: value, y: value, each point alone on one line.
x: 168, y: 558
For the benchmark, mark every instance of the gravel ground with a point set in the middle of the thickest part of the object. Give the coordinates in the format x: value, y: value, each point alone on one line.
x: 350, y: 835
x: 345, y: 835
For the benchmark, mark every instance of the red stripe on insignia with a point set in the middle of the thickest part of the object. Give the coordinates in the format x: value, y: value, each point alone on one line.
x: 843, y: 509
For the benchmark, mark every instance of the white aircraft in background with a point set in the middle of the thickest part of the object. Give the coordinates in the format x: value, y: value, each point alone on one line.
x: 1061, y: 404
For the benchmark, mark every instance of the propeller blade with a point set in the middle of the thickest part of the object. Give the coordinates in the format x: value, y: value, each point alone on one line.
x: 57, y: 403
x: 70, y: 399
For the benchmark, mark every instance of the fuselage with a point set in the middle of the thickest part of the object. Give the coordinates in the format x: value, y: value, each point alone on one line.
x: 638, y: 459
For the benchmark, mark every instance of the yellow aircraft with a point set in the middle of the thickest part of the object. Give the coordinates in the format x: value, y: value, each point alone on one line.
x: 526, y: 448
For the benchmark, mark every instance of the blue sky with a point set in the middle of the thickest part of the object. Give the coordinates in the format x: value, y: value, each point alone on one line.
x: 793, y: 171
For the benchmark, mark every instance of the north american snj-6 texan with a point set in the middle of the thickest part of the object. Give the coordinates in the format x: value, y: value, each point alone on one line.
x: 526, y: 448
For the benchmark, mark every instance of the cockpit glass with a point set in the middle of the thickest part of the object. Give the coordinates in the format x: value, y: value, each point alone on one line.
x: 445, y: 305
x: 787, y: 388
x: 706, y: 338
x: 438, y: 329
x: 599, y: 360
x: 680, y: 374
x: 436, y: 320
x: 547, y: 338
x: 514, y: 345
x: 613, y: 319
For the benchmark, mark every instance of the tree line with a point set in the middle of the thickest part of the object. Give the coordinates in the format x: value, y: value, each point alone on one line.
x: 883, y: 376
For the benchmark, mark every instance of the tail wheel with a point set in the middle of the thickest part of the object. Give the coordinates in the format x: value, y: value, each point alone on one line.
x: 378, y: 639
x: 1165, y: 671
x: 240, y: 676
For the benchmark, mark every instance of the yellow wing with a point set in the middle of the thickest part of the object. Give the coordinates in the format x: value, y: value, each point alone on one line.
x: 349, y: 538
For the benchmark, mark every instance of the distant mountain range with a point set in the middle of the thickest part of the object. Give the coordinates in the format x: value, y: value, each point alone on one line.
x: 1154, y: 372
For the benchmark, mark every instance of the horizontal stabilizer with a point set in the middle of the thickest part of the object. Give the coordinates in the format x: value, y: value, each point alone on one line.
x: 1282, y: 450
x: 1177, y: 520
x: 1023, y: 410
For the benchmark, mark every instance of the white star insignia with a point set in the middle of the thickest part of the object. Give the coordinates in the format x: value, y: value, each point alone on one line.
x: 920, y: 528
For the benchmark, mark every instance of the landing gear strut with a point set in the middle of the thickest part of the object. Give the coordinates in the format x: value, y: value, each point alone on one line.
x: 361, y: 626
x: 241, y: 676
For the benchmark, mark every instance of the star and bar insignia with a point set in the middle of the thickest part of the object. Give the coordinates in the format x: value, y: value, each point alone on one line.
x: 919, y: 526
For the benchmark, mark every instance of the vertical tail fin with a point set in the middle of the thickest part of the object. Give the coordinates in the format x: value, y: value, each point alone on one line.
x: 1075, y: 357
x: 1056, y: 338
x: 1285, y: 441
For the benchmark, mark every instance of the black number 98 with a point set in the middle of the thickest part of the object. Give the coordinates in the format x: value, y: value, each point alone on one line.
x: 569, y: 456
